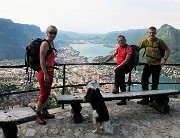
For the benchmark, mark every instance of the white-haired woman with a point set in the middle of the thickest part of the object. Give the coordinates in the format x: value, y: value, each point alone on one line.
x: 45, y: 76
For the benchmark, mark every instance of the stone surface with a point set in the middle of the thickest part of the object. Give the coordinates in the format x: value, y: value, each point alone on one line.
x: 129, y: 121
x: 17, y: 116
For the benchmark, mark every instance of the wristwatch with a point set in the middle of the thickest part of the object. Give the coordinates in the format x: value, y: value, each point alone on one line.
x: 165, y: 59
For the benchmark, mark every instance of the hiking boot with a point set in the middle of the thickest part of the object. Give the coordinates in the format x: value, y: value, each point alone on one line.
x: 122, y: 102
x: 40, y: 120
x: 144, y: 101
x: 116, y: 90
x: 46, y: 115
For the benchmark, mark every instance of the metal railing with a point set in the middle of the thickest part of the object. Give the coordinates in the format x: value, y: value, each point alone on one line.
x: 129, y: 82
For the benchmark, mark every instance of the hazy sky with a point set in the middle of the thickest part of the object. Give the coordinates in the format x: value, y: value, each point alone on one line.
x: 93, y: 16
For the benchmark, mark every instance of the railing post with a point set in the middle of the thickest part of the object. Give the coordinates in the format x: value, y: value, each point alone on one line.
x: 63, y: 90
x: 64, y: 73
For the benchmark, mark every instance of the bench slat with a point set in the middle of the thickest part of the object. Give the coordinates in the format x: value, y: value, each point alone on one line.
x: 16, y: 116
x: 66, y: 99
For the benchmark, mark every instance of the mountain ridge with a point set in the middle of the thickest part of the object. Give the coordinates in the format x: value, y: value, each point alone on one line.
x: 14, y: 37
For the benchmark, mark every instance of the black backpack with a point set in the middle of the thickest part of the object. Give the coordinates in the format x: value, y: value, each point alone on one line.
x: 32, y: 55
x: 135, y: 55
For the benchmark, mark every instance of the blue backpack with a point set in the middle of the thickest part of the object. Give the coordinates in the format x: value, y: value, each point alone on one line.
x: 135, y: 56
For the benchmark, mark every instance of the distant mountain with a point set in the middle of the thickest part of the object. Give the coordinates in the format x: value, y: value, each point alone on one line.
x: 171, y: 36
x: 133, y: 36
x: 14, y: 37
x: 67, y: 35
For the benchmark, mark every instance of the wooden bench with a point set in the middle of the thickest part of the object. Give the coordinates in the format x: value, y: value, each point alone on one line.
x: 10, y: 118
x: 67, y: 99
x: 159, y: 105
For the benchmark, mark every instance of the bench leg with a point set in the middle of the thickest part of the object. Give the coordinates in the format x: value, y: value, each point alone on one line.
x: 161, y: 104
x: 10, y: 131
x: 161, y: 108
x: 76, y: 112
x: 162, y: 99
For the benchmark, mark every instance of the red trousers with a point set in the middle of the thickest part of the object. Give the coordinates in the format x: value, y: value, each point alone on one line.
x: 45, y: 88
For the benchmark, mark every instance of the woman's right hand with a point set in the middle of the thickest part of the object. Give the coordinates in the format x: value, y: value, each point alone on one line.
x: 46, y: 78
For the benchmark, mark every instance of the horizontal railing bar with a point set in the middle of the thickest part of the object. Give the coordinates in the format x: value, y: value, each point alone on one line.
x: 21, y: 66
x: 17, y: 66
x: 34, y: 90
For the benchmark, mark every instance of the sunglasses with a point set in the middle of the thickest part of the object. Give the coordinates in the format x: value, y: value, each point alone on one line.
x: 55, y: 33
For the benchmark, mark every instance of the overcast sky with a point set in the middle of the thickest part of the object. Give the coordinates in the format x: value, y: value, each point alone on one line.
x: 93, y: 16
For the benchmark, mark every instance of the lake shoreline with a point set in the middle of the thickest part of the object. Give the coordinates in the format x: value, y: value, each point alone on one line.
x: 166, y: 76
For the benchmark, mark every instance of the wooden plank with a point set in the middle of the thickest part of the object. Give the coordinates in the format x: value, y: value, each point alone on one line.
x: 16, y: 116
x: 66, y: 99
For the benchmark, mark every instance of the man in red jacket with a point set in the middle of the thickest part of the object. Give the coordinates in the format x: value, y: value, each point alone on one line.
x: 124, y: 65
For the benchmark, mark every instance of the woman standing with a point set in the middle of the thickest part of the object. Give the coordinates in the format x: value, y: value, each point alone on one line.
x: 45, y: 76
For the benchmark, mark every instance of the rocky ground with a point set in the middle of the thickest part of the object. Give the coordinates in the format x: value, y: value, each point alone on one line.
x: 129, y: 121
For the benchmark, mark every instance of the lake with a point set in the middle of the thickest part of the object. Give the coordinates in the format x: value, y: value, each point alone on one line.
x: 92, y: 50
x: 161, y: 86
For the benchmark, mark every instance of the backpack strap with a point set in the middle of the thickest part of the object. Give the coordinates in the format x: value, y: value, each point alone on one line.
x: 50, y: 48
x: 49, y: 51
x: 146, y: 45
x: 159, y: 48
x: 127, y: 48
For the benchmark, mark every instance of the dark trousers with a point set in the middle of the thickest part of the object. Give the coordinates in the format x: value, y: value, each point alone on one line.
x: 120, y: 77
x: 149, y: 70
